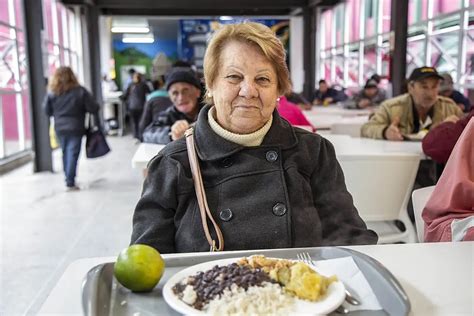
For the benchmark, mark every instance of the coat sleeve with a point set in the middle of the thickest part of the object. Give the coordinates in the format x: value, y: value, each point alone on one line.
x: 48, y: 109
x: 145, y: 120
x: 340, y: 221
x: 153, y: 219
x: 90, y: 103
x: 439, y: 142
x: 377, y: 124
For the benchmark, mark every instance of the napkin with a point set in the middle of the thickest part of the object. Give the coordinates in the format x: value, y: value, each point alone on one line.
x: 354, y: 280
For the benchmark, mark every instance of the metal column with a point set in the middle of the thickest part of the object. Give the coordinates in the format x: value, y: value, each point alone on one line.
x: 398, y: 61
x: 93, y: 47
x: 32, y: 10
x: 309, y: 51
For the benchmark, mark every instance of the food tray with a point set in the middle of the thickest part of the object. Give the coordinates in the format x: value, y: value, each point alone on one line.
x: 103, y: 295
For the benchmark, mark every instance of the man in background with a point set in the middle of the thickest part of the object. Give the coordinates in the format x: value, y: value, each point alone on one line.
x: 419, y: 109
x: 326, y: 95
x: 447, y: 89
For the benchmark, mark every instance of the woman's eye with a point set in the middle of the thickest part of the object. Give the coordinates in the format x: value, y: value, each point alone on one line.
x: 263, y: 80
x: 233, y: 77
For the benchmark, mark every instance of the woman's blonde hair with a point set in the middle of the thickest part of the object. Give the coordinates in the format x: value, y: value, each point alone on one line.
x: 254, y: 34
x: 62, y: 81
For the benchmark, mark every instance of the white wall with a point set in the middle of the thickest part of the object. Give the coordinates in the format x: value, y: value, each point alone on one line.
x: 296, y: 53
x: 105, y: 39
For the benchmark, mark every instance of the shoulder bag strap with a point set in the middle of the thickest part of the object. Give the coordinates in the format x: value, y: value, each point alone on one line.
x: 201, y: 194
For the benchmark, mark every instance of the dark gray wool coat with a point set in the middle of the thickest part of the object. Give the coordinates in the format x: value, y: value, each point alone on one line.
x: 287, y: 192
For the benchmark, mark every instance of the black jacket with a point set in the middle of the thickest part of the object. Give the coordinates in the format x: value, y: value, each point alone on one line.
x: 159, y: 131
x: 69, y: 110
x: 153, y: 108
x: 288, y: 192
x: 135, y: 96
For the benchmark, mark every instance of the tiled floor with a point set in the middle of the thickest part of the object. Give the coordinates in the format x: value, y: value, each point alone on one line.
x: 44, y: 228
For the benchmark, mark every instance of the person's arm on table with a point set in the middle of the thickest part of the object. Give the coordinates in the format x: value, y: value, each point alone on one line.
x: 378, y: 123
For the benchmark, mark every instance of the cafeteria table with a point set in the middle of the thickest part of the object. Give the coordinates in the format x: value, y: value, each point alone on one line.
x: 437, y: 277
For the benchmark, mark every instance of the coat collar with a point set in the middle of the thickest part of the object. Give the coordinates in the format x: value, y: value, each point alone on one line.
x: 281, y: 134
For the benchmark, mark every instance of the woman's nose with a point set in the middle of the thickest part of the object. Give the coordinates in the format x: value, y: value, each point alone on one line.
x: 248, y: 89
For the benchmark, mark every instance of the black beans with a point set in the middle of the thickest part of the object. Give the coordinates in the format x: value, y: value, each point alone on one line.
x: 211, y: 284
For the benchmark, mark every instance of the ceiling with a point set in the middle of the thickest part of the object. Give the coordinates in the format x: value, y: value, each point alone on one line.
x: 181, y: 8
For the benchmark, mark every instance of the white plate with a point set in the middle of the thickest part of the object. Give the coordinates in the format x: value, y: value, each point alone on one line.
x: 335, y: 294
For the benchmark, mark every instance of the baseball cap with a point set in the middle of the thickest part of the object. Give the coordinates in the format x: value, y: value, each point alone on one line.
x: 424, y: 72
x: 187, y: 76
x: 371, y: 83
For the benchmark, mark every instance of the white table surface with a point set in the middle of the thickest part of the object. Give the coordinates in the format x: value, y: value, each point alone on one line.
x: 323, y: 117
x: 144, y: 154
x: 437, y: 277
x: 347, y: 145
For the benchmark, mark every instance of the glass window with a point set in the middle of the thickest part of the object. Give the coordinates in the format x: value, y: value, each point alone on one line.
x: 26, y: 118
x: 446, y: 6
x: 59, y: 19
x: 10, y: 123
x: 339, y: 16
x: 353, y: 66
x: 370, y: 60
x: 353, y: 10
x: 4, y: 12
x: 417, y: 11
x: 48, y: 19
x: 386, y: 11
x: 327, y: 25
x: 371, y: 11
x: 19, y: 14
x: 8, y: 63
x: 468, y: 76
x: 415, y: 54
x: 445, y: 51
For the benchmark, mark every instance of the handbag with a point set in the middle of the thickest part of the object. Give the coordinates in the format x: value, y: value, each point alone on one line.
x: 201, y: 195
x: 96, y: 144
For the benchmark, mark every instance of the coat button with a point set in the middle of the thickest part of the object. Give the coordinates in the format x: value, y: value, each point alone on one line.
x: 279, y: 209
x: 271, y: 156
x: 225, y: 215
x: 226, y: 162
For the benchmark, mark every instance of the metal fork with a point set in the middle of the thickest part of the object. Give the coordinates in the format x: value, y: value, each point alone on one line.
x: 306, y: 258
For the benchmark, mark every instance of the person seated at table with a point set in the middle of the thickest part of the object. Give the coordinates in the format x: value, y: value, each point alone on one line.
x: 447, y: 89
x: 419, y: 109
x: 371, y: 95
x: 157, y: 101
x: 449, y: 213
x: 293, y: 114
x: 184, y: 90
x: 326, y: 95
x: 268, y: 185
x: 299, y: 100
x: 439, y: 142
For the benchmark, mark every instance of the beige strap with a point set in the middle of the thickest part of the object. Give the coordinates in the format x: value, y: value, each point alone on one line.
x: 201, y: 194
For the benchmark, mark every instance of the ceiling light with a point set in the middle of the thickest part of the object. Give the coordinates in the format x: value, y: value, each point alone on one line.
x: 138, y: 38
x: 130, y: 29
x: 226, y: 18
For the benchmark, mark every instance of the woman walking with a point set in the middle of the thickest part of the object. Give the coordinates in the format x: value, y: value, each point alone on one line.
x: 68, y: 102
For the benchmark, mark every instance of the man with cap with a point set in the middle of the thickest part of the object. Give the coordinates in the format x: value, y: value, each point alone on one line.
x: 371, y: 95
x: 184, y: 90
x: 447, y: 89
x: 419, y: 109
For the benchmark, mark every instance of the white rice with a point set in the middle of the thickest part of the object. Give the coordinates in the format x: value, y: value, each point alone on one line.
x: 269, y: 299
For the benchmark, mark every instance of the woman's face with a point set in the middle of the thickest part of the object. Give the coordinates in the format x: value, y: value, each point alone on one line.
x: 245, y: 91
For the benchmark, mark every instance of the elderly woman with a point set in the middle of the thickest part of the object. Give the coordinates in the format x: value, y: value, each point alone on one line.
x: 268, y: 184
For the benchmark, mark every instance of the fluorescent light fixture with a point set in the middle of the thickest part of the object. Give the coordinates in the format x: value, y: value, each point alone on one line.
x: 130, y: 29
x: 226, y: 18
x: 138, y: 38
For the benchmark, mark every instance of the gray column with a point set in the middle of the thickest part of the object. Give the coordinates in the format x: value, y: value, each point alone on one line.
x: 309, y: 51
x: 32, y: 10
x: 398, y: 60
x: 92, y: 38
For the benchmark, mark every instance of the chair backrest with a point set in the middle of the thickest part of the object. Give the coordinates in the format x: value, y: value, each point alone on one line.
x: 380, y: 184
x: 420, y: 197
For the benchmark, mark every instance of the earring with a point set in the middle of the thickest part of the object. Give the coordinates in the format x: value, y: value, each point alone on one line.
x: 278, y: 99
x: 209, y: 94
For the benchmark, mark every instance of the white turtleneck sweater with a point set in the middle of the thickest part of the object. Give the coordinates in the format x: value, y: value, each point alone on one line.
x: 247, y: 140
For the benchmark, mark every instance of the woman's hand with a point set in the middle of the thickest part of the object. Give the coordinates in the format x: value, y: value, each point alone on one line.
x: 178, y: 129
